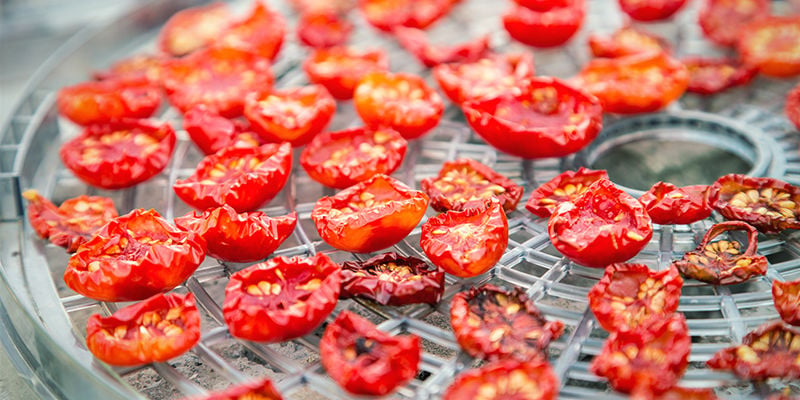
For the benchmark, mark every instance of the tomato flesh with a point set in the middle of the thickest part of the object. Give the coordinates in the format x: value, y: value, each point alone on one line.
x: 772, y: 45
x: 565, y: 187
x: 710, y: 75
x: 415, y: 41
x: 193, y: 28
x: 651, y: 10
x: 212, y: 132
x: 389, y: 14
x: 109, y: 100
x: 487, y: 77
x: 770, y: 351
x: 507, y: 379
x: 792, y: 108
x: 545, y: 28
x: 261, y: 32
x: 340, y: 69
x: 258, y: 390
x: 463, y: 183
x: 786, y: 297
x: 669, y: 205
x: 625, y: 42
x: 722, y: 21
x: 290, y: 115
x: 321, y: 30
x: 392, y: 279
x: 139, y: 66
x: 768, y: 204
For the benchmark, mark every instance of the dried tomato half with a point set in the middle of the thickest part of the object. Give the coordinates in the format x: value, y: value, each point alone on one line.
x: 282, y: 298
x: 369, y: 216
x: 722, y: 21
x: 565, y: 187
x: 71, y: 223
x: 680, y: 393
x: 403, y: 102
x: 602, y: 226
x: 416, y: 42
x: 145, y: 66
x: 245, y: 237
x: 119, y: 154
x: 243, y: 178
x: 463, y: 183
x: 772, y: 45
x: 389, y: 14
x: 466, y: 243
x: 630, y: 295
x: 668, y: 204
x: 293, y: 115
x: 365, y: 360
x: 723, y: 262
x: 713, y: 75
x: 321, y: 30
x: 340, y: 159
x: 649, y: 358
x: 109, y: 100
x: 134, y: 257
x: 492, y: 323
x: 545, y: 28
x: 155, y: 330
x: 219, y: 77
x: 487, y: 77
x: 650, y: 10
x: 506, y: 379
x: 768, y: 204
x: 786, y: 297
x: 543, y: 117
x: 323, y: 6
x: 392, y: 279
x: 212, y: 132
x: 340, y: 69
x: 626, y: 41
x: 258, y: 390
x: 792, y: 109
x: 193, y: 28
x: 261, y: 32
x: 770, y: 351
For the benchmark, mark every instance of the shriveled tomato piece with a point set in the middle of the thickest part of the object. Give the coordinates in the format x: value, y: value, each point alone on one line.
x: 399, y: 101
x: 722, y: 21
x: 544, y: 117
x: 487, y: 77
x: 415, y: 41
x: 565, y: 187
x: 340, y: 69
x: 119, y: 154
x: 364, y: 360
x: 323, y: 6
x: 463, y: 183
x: 602, y: 226
x: 145, y: 66
x: 258, y: 390
x: 320, y: 30
x: 668, y: 204
x: 626, y: 41
x: 392, y: 279
x: 261, y: 32
x: 545, y: 28
x: 369, y: 216
x: 768, y: 204
x: 630, y: 295
x: 293, y: 115
x: 723, y: 262
x: 193, y: 28
x: 635, y: 84
x: 155, y: 330
x: 134, y: 257
x: 281, y: 299
x: 109, y: 100
x: 218, y: 77
x: 340, y: 159
x: 71, y: 223
x: 236, y: 237
x: 713, y: 75
x: 466, y: 243
x: 786, y: 297
x: 792, y: 108
x: 650, y: 10
x: 389, y: 14
x: 770, y: 351
x: 542, y: 5
x: 772, y: 45
x: 649, y: 358
x: 506, y: 379
x: 243, y: 178
x: 680, y: 393
x: 212, y: 132
x: 492, y: 323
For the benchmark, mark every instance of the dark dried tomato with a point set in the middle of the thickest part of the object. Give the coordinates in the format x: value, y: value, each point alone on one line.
x: 624, y: 42
x: 670, y: 205
x: 212, y: 132
x: 786, y: 297
x: 392, y: 279
x: 415, y: 41
x: 463, y: 183
x: 506, y: 380
x: 768, y: 204
x: 487, y: 77
x: 493, y: 323
x: 258, y: 390
x: 565, y: 187
x: 713, y: 75
x: 770, y: 351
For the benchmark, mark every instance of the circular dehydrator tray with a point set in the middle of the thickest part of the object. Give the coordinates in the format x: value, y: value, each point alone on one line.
x: 44, y: 321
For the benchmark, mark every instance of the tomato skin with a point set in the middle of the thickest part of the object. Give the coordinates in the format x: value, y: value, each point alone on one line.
x: 260, y: 390
x: 342, y: 7
x: 545, y: 118
x: 466, y: 243
x: 370, y: 279
x: 710, y: 75
x: 415, y: 41
x: 678, y: 393
x: 212, y: 132
x: 386, y: 211
x: 106, y: 101
x: 722, y: 21
x: 340, y: 69
x: 389, y: 14
x: 340, y: 159
x: 542, y: 5
x: 486, y: 77
x: 626, y: 41
x: 602, y: 226
x: 792, y: 108
x: 537, y: 377
x: 547, y: 28
x: 145, y: 66
x: 772, y: 45
x: 119, y: 154
x: 630, y: 295
x: 71, y: 223
x: 134, y: 257
x: 321, y: 30
x: 489, y: 185
x: 668, y: 204
x: 376, y: 369
x: 243, y: 187
x: 565, y: 187
x: 293, y: 115
x: 730, y: 195
x: 193, y: 28
x: 169, y: 335
x: 651, y: 10
x: 275, y: 315
x: 751, y: 360
x: 235, y: 237
x: 261, y: 32
x: 786, y: 297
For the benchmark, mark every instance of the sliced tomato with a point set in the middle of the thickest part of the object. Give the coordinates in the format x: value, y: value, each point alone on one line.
x: 487, y: 77
x: 243, y: 178
x: 415, y: 41
x: 768, y: 204
x: 786, y: 297
x: 340, y: 159
x: 650, y: 10
x: 236, y: 237
x: 389, y: 14
x: 109, y: 100
x: 670, y: 205
x: 258, y: 390
x: 464, y: 182
x: 369, y: 216
x: 680, y: 393
x: 261, y: 32
x: 194, y: 28
x: 340, y: 69
x: 281, y: 299
x: 293, y: 115
x: 565, y: 187
x: 392, y: 279
x: 542, y: 5
x: 323, y: 6
x: 545, y: 28
x: 145, y: 66
x: 119, y: 154
x: 626, y: 41
x: 544, y: 117
x: 792, y: 108
x: 212, y: 132
x: 772, y: 46
x: 506, y: 379
x: 713, y: 75
x: 321, y: 30
x: 722, y: 21
x: 770, y: 351
x: 155, y: 330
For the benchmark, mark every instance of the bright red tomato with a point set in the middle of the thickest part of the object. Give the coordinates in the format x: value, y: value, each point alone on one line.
x: 650, y: 10
x: 786, y: 297
x: 193, y: 28
x: 626, y: 41
x: 155, y: 330
x: 339, y: 69
x: 769, y: 204
x: 670, y: 205
x: 109, y: 100
x: 321, y: 30
x: 713, y: 75
x: 772, y: 45
x: 293, y: 115
x: 463, y: 183
x: 212, y: 132
x: 545, y: 28
x: 542, y: 5
x: 722, y: 21
x: 415, y: 41
x: 507, y: 379
x: 792, y: 108
x: 258, y: 390
x: 145, y: 66
x: 487, y: 77
x: 261, y: 32
x: 389, y: 14
x: 565, y: 187
x: 392, y: 279
x: 770, y: 351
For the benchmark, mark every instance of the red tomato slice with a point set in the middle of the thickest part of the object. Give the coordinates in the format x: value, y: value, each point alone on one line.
x: 339, y: 69
x: 389, y: 14
x: 544, y: 117
x: 321, y: 30
x: 243, y: 178
x: 145, y: 66
x: 625, y: 42
x: 282, y: 298
x: 466, y: 243
x: 679, y: 393
x: 235, y: 237
x: 109, y: 100
x: 565, y: 187
x: 212, y: 132
x: 711, y: 75
x: 392, y: 279
x: 507, y: 379
x: 650, y: 10
x: 487, y: 77
x: 770, y: 351
x: 323, y: 6
x: 193, y: 28
x: 463, y: 183
x: 772, y: 45
x: 768, y: 204
x: 155, y: 330
x: 369, y: 216
x: 545, y: 28
x: 786, y: 297
x: 415, y: 41
x: 792, y: 108
x: 722, y: 21
x: 602, y: 226
x: 218, y: 77
x: 134, y: 257
x: 670, y: 205
x: 542, y: 5
x: 399, y: 101
x: 258, y: 390
x: 261, y: 32
x: 119, y: 154
x: 293, y: 115
x: 341, y: 159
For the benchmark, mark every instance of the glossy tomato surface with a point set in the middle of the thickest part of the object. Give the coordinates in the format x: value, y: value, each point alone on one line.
x: 769, y: 204
x: 545, y: 28
x: 769, y: 351
x: 212, y: 132
x: 416, y: 42
x: 722, y: 21
x: 109, y: 100
x: 321, y: 30
x: 668, y: 204
x: 488, y: 77
x: 792, y: 108
x: 392, y: 279
x: 565, y: 187
x: 261, y: 32
x: 194, y: 28
x: 389, y: 14
x: 626, y: 41
x: 772, y: 45
x: 258, y: 390
x: 147, y: 66
x: 506, y: 379
x: 786, y: 297
x: 464, y: 183
x: 650, y: 10
x: 713, y: 75
x: 293, y: 115
x: 340, y: 69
